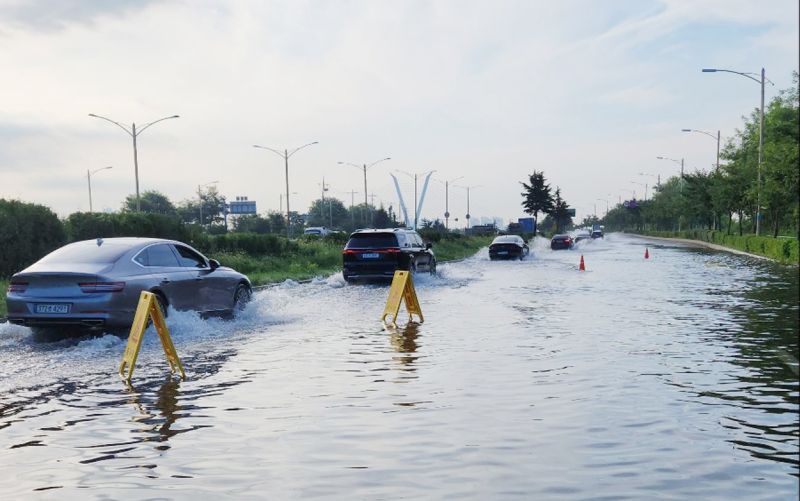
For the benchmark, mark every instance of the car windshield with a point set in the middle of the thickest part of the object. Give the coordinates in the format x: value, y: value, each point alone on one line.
x: 87, y: 252
x: 372, y: 241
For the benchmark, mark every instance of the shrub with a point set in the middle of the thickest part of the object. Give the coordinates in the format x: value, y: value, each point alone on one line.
x: 86, y: 226
x: 27, y: 232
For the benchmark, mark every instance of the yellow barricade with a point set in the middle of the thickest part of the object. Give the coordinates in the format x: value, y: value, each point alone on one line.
x: 148, y: 308
x: 402, y: 289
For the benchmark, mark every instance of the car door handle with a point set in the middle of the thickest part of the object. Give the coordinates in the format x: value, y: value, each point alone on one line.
x: 165, y: 281
x: 197, y: 279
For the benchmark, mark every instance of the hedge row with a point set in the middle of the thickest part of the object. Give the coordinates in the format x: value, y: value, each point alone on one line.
x: 30, y: 231
x: 784, y: 250
x: 27, y: 232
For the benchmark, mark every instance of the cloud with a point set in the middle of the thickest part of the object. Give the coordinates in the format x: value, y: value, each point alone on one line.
x: 486, y: 90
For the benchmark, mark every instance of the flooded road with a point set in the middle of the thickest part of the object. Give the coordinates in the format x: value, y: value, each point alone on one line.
x: 673, y: 377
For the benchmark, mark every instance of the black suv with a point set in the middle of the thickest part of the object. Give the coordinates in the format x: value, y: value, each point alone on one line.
x: 376, y: 254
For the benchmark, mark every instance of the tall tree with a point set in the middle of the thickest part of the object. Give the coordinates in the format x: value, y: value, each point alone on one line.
x: 559, y: 212
x: 152, y: 201
x: 330, y: 213
x: 536, y: 198
x: 213, y: 206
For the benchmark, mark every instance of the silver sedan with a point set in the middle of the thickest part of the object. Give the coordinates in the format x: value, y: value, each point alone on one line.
x: 96, y: 284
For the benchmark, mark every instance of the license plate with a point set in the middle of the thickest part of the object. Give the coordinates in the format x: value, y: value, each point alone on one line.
x: 52, y: 308
x: 370, y: 255
x: 502, y: 252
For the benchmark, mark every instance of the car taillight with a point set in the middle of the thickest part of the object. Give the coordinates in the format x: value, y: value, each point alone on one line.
x: 348, y: 251
x: 18, y: 287
x: 89, y: 287
x: 390, y: 250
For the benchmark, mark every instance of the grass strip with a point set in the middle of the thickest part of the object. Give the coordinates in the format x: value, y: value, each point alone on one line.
x: 783, y: 250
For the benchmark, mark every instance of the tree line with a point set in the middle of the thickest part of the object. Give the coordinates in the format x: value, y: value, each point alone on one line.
x: 727, y: 198
x: 210, y: 205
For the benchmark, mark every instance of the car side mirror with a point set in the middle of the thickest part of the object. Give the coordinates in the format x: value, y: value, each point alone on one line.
x: 428, y: 246
x: 213, y: 264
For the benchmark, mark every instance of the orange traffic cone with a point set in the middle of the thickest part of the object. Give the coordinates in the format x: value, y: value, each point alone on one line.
x: 646, y: 253
x: 582, y: 267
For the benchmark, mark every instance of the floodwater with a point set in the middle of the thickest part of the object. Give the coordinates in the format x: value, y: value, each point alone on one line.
x: 674, y: 377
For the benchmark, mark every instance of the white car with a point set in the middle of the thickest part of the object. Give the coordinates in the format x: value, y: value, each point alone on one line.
x: 317, y: 230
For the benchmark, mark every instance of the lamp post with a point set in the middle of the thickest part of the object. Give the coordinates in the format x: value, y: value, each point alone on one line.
x: 647, y: 174
x: 681, y: 184
x: 468, y: 188
x: 134, y: 134
x: 447, y: 200
x: 286, y: 154
x: 645, y: 188
x: 414, y: 177
x: 364, y: 167
x: 200, y: 198
x: 89, y: 180
x: 280, y: 201
x: 712, y: 136
x: 760, y: 133
x: 603, y: 200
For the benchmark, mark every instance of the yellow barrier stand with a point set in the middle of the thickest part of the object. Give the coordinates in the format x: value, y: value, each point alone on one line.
x: 148, y: 308
x: 402, y: 288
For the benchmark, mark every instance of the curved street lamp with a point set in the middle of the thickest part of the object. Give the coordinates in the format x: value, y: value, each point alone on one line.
x: 89, y: 180
x: 286, y: 154
x: 712, y: 136
x: 602, y: 200
x: 364, y: 167
x: 134, y: 134
x: 752, y: 76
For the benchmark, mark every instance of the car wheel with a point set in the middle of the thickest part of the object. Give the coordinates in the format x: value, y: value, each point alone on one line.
x: 432, y: 267
x: 241, y: 297
x: 162, y: 304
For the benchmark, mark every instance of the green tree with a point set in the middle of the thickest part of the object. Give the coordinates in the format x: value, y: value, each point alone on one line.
x: 152, y: 202
x: 213, y: 205
x: 330, y: 213
x: 536, y: 198
x: 559, y: 212
x: 251, y: 223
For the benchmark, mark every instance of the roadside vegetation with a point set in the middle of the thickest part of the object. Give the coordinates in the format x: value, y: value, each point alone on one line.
x: 720, y: 205
x: 30, y: 231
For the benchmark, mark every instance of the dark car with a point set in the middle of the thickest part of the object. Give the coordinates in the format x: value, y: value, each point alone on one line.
x: 376, y: 254
x: 508, y: 247
x: 95, y: 284
x: 560, y: 242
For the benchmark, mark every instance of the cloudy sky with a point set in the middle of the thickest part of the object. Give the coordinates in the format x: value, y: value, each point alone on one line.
x: 590, y: 92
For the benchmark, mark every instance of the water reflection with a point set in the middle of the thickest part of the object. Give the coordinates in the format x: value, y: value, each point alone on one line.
x: 404, y: 341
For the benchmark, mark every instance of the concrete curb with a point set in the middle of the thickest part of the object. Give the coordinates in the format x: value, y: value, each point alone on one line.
x: 700, y: 243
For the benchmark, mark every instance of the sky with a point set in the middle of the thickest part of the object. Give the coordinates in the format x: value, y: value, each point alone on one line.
x: 588, y: 91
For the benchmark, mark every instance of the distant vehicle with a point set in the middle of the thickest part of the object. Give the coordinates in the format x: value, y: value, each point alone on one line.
x: 376, y: 254
x: 560, y: 242
x: 597, y: 233
x: 508, y: 247
x: 581, y: 235
x: 317, y: 230
x: 95, y: 284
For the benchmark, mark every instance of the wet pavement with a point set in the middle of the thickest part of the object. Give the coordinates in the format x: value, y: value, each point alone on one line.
x: 672, y: 377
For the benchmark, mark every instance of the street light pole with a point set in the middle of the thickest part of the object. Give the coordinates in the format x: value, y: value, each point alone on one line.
x: 364, y: 167
x: 286, y: 154
x: 712, y: 136
x: 89, y: 180
x: 761, y: 82
x: 134, y: 134
x: 447, y: 200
